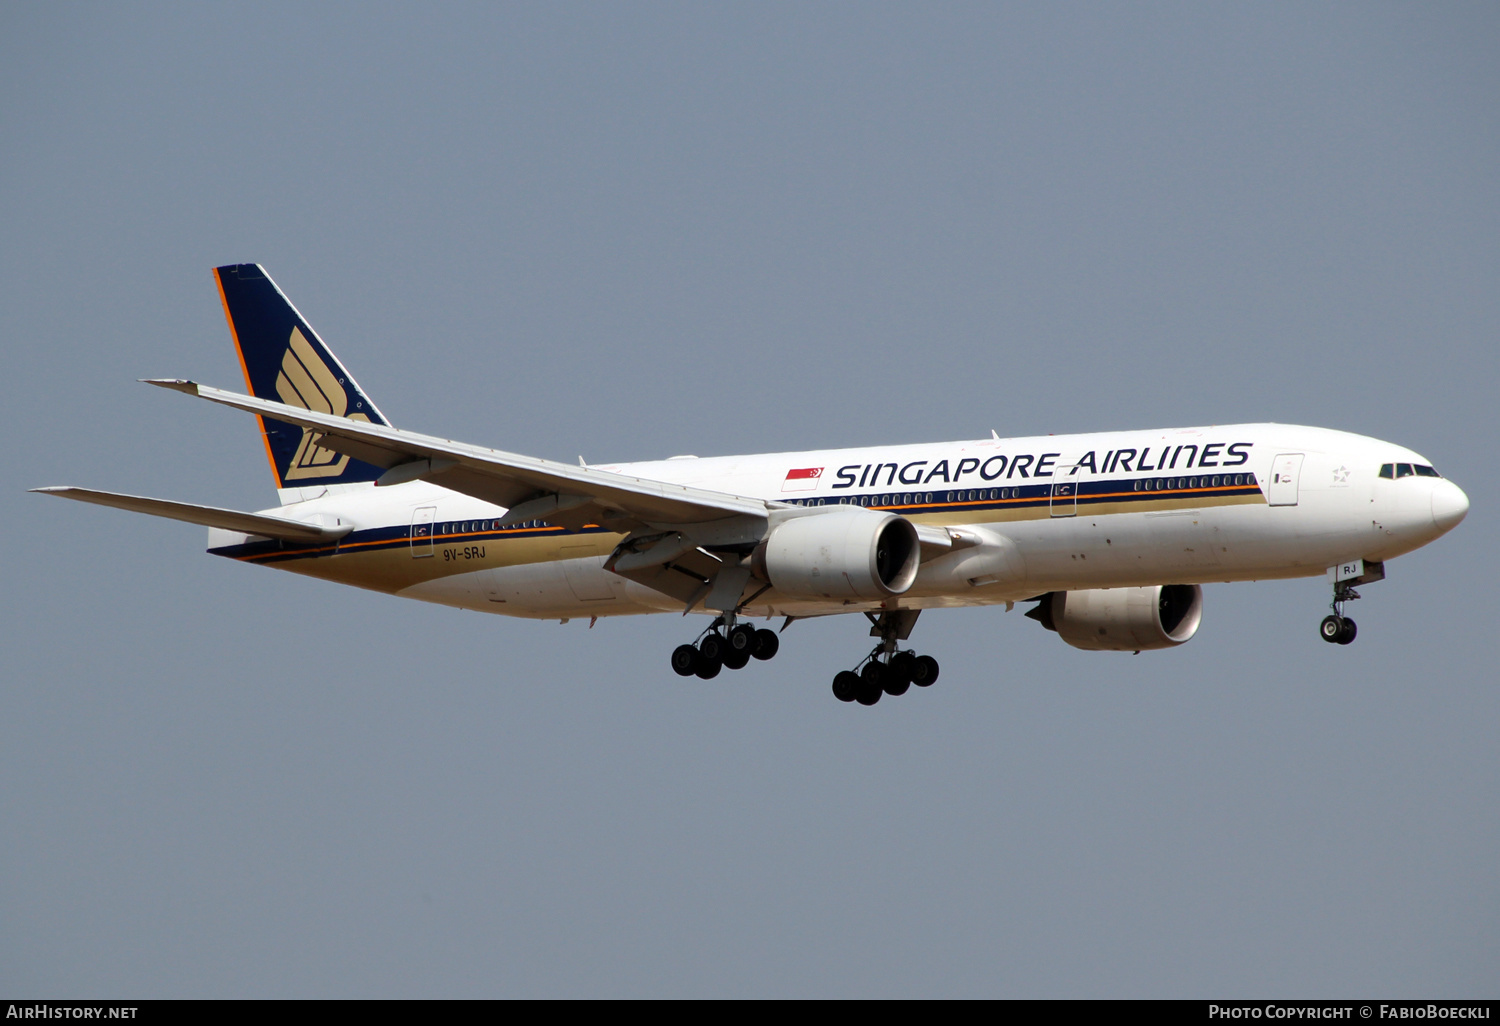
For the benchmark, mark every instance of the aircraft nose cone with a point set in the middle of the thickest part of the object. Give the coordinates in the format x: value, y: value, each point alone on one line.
x: 1449, y: 505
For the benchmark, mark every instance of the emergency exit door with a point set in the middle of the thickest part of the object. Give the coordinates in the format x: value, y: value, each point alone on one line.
x: 421, y: 531
x: 1065, y: 484
x: 1286, y: 468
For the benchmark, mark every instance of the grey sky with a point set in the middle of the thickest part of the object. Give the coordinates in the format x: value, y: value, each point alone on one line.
x: 632, y: 231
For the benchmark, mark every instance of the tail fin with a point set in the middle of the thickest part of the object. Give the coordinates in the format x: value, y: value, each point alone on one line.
x: 285, y: 361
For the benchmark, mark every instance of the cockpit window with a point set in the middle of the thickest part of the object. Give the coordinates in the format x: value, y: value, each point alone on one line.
x: 1391, y: 471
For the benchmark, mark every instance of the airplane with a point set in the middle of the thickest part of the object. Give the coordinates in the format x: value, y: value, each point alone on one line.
x: 1110, y: 534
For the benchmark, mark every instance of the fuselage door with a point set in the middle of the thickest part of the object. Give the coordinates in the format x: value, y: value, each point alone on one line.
x: 421, y: 531
x: 1281, y: 490
x: 1065, y: 482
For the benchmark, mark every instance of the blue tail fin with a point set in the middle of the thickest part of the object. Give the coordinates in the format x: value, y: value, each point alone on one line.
x: 285, y: 361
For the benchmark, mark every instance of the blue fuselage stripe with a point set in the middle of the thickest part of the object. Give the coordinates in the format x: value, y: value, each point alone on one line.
x: 1032, y: 496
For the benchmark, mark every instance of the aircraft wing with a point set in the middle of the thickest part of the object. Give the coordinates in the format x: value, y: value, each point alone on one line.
x: 529, y: 487
x: 208, y: 516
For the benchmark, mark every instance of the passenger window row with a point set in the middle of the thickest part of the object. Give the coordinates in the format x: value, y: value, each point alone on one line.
x: 1159, y: 484
x: 470, y: 526
x: 898, y: 499
x: 1043, y: 492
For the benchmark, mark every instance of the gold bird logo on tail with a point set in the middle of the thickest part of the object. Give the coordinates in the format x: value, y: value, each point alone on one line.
x: 306, y: 382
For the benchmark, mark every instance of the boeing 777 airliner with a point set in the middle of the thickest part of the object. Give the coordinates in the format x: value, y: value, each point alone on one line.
x: 1109, y: 534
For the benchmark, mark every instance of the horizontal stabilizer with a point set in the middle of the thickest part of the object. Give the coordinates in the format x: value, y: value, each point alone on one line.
x: 208, y: 516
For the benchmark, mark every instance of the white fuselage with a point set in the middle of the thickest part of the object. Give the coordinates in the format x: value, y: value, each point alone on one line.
x: 1054, y: 513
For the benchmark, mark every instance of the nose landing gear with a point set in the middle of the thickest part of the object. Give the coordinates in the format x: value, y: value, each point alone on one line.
x: 1338, y: 629
x: 715, y: 650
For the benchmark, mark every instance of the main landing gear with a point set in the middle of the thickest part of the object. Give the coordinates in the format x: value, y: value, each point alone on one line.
x: 892, y: 676
x: 1338, y: 629
x: 886, y: 670
x: 717, y: 649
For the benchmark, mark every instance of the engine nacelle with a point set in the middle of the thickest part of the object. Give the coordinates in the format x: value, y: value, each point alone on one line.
x: 849, y: 553
x: 1123, y: 619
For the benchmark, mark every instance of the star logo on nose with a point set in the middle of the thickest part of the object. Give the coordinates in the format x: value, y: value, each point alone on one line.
x: 1341, y: 476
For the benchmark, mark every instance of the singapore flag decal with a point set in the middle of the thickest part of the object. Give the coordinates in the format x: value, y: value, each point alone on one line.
x: 804, y: 480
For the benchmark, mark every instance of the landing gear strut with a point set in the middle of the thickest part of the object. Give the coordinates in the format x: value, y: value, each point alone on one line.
x: 733, y: 647
x: 887, y: 670
x: 1338, y: 629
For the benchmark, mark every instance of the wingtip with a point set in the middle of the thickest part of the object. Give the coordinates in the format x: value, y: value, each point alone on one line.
x: 176, y: 384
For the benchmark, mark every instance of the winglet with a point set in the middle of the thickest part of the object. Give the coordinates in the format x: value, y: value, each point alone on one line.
x: 175, y: 384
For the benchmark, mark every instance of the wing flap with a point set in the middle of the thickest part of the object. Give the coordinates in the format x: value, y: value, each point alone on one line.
x: 686, y: 578
x: 207, y: 516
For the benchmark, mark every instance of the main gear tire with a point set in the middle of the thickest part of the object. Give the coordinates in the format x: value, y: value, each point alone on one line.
x: 742, y: 639
x: 685, y: 660
x: 924, y: 672
x: 845, y: 686
x: 711, y: 647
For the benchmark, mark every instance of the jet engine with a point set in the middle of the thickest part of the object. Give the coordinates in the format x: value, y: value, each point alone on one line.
x: 1123, y: 619
x: 851, y: 553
